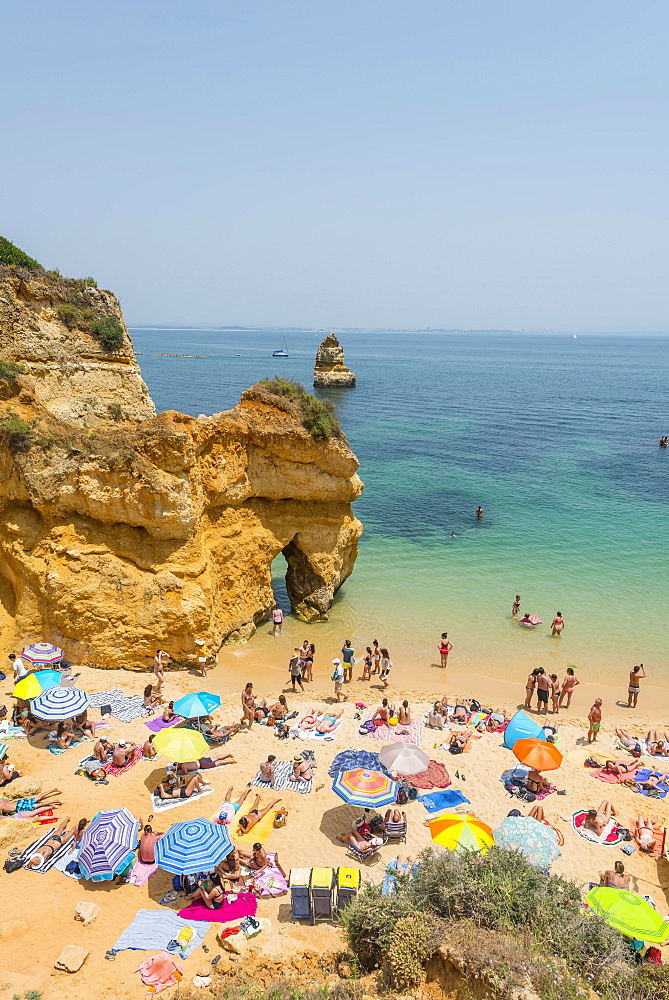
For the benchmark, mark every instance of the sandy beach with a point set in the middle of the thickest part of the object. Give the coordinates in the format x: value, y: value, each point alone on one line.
x: 45, y: 903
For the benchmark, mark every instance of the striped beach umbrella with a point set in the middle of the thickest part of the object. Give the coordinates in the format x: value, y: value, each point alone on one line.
x: 194, y: 706
x: 195, y: 845
x: 33, y: 685
x: 628, y: 913
x: 59, y: 703
x: 458, y: 832
x: 42, y: 653
x: 180, y: 744
x: 370, y: 789
x: 108, y: 844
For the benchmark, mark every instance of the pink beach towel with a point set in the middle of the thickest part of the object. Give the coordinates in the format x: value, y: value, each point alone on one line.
x: 159, y: 971
x: 110, y: 768
x: 413, y: 733
x: 141, y: 873
x: 615, y: 779
x: 271, y: 881
x: 245, y: 905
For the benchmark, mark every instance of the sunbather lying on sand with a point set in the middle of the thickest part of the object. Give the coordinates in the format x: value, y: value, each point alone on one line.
x: 55, y: 841
x: 255, y: 814
x: 204, y: 763
x: 620, y: 766
x: 359, y: 843
x: 8, y: 773
x: 41, y: 804
x: 171, y: 788
x: 644, y: 835
x: 655, y: 746
x: 319, y: 722
x: 597, y: 819
x: 629, y: 742
x: 650, y: 783
x: 459, y: 740
x: 231, y: 807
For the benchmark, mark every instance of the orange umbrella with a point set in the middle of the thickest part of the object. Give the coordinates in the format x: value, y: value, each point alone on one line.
x: 537, y: 754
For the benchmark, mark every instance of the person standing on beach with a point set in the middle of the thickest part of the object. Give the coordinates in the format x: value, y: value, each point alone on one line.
x: 634, y: 685
x: 386, y: 664
x: 248, y: 705
x: 444, y: 649
x: 295, y: 672
x: 543, y: 687
x: 568, y: 685
x: 201, y: 656
x: 515, y: 607
x: 555, y: 693
x: 376, y: 656
x: 277, y: 620
x: 368, y: 663
x: 349, y: 660
x: 529, y: 688
x: 595, y: 720
x: 558, y: 624
x: 159, y: 662
x: 338, y: 678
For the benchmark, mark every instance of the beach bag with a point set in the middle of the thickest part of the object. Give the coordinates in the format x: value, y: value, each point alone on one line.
x: 13, y: 864
x: 654, y: 956
x: 280, y: 818
x: 402, y: 795
x: 455, y: 749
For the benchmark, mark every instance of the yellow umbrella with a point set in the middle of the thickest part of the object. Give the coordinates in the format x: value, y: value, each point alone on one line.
x: 460, y: 833
x: 180, y: 745
x: 36, y: 683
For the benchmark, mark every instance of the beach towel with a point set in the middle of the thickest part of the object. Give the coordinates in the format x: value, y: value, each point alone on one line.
x: 394, y: 869
x: 271, y: 881
x: 162, y: 805
x: 141, y: 873
x: 157, y: 724
x: 159, y: 972
x: 545, y: 793
x: 609, y: 836
x: 642, y: 743
x: 152, y: 930
x: 51, y: 861
x: 110, y: 768
x: 64, y: 860
x: 413, y: 733
x: 436, y: 801
x: 283, y: 770
x: 347, y: 760
x: 660, y: 835
x: 258, y: 833
x: 643, y: 775
x: 125, y: 708
x: 614, y: 779
x: 57, y: 751
x: 246, y: 905
x: 15, y: 733
x: 309, y: 734
x: 435, y: 775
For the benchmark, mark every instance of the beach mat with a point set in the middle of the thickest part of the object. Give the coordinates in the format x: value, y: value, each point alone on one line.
x: 155, y: 725
x: 609, y: 837
x: 435, y: 775
x: 141, y: 873
x: 246, y: 905
x: 660, y: 835
x: 271, y: 881
x: 57, y: 751
x: 644, y: 775
x: 64, y: 860
x: 413, y: 733
x: 283, y: 770
x: 614, y: 779
x: 110, y: 768
x: 51, y: 861
x: 309, y: 734
x: 162, y: 805
x: 152, y: 930
x: 125, y: 708
x: 258, y: 833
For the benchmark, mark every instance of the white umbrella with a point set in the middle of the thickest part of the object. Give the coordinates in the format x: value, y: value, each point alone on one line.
x: 404, y: 758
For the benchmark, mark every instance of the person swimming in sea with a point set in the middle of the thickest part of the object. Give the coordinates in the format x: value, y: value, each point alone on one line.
x: 515, y: 607
x: 479, y: 511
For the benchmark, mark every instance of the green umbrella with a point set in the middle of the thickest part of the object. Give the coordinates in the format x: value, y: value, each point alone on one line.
x: 628, y: 913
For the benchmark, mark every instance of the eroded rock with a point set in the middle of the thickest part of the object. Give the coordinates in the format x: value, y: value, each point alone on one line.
x: 330, y: 369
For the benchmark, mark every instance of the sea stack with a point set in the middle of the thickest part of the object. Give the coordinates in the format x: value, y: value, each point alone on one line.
x: 330, y: 368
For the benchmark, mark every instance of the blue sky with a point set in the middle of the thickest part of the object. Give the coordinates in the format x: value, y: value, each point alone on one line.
x: 459, y: 164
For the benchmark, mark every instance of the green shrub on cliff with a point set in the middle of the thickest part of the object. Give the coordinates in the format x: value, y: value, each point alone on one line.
x: 109, y: 332
x: 10, y: 254
x: 10, y: 369
x: 17, y: 434
x: 317, y: 414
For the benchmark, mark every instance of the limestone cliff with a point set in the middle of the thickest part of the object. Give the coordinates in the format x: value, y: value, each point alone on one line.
x: 330, y: 369
x: 119, y: 535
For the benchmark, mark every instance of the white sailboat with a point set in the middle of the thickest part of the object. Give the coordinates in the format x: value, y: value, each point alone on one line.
x: 281, y: 353
x: 574, y: 337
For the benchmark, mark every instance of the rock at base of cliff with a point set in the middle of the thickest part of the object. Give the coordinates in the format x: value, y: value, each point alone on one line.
x: 337, y: 379
x: 330, y: 369
x: 71, y: 958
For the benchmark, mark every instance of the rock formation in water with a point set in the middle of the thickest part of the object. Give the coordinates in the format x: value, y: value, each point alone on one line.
x: 122, y: 530
x: 330, y: 369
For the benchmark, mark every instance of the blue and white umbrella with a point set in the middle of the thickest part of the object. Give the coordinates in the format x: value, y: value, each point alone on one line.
x: 195, y: 845
x: 108, y: 844
x: 59, y: 703
x: 194, y: 706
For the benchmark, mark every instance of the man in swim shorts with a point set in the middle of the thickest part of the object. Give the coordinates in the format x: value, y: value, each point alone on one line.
x: 595, y: 720
x: 634, y: 685
x: 543, y: 690
x: 231, y: 806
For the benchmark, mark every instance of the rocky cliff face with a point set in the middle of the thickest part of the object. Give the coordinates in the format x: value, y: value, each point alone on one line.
x: 330, y: 369
x: 119, y: 535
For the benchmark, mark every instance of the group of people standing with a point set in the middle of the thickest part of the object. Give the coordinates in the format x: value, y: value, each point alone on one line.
x: 547, y: 685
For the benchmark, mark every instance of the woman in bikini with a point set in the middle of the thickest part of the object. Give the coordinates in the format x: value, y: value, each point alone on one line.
x: 159, y: 662
x: 529, y: 688
x: 597, y: 819
x: 172, y: 788
x: 655, y: 746
x: 376, y: 657
x: 248, y: 705
x: 367, y: 664
x: 645, y: 835
x: 64, y: 735
x: 558, y: 624
x: 254, y: 815
x: 404, y: 715
x: 308, y: 672
x: 212, y: 898
x: 59, y: 837
x: 568, y: 685
x: 151, y: 699
x: 280, y: 708
x: 8, y: 773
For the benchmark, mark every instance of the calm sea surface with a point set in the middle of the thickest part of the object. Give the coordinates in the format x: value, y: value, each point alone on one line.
x: 556, y: 439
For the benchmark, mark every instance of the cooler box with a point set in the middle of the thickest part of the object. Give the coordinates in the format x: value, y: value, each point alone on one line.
x: 300, y: 899
x: 322, y: 881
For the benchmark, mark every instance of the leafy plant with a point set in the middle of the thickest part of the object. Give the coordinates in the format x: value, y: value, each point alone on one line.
x: 10, y: 369
x: 317, y: 414
x: 10, y: 254
x: 413, y: 940
x: 369, y: 921
x: 109, y: 332
x: 17, y: 434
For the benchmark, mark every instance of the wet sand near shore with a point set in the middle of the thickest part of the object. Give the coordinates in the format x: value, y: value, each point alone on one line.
x: 46, y: 903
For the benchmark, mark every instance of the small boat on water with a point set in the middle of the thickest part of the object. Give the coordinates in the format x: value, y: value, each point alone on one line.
x: 281, y: 353
x: 574, y: 337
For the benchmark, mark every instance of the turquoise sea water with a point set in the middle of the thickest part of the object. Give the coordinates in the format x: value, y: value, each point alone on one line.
x: 556, y: 439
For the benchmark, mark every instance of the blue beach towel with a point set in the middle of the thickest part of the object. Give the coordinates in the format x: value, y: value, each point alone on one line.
x: 446, y: 799
x: 349, y: 759
x: 644, y: 774
x: 152, y: 930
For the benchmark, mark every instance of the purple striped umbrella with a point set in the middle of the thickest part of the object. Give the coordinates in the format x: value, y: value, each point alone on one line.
x: 108, y: 844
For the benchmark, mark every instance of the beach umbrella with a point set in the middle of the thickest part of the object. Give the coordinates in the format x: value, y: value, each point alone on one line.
x: 404, y: 758
x: 537, y: 754
x: 460, y: 833
x: 42, y: 653
x: 194, y: 706
x: 370, y: 789
x: 628, y: 913
x: 33, y: 685
x: 521, y: 727
x: 59, y: 703
x: 108, y: 843
x: 180, y: 745
x: 534, y: 840
x: 195, y: 845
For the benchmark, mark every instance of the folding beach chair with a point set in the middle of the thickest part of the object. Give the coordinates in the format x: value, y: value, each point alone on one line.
x: 348, y: 883
x: 300, y: 899
x: 372, y: 856
x: 321, y: 885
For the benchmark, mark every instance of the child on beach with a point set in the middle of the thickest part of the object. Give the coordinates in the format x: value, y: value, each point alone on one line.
x: 555, y: 693
x: 595, y: 720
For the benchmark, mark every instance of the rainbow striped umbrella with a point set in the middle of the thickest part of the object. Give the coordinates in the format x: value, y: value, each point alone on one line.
x: 33, y: 685
x: 361, y: 787
x: 42, y: 653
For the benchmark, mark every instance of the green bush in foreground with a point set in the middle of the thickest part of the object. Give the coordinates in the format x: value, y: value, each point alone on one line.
x: 317, y: 414
x: 10, y: 369
x: 10, y: 254
x: 109, y: 332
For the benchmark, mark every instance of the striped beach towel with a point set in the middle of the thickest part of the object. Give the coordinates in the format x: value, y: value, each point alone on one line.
x: 50, y: 861
x: 283, y: 770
